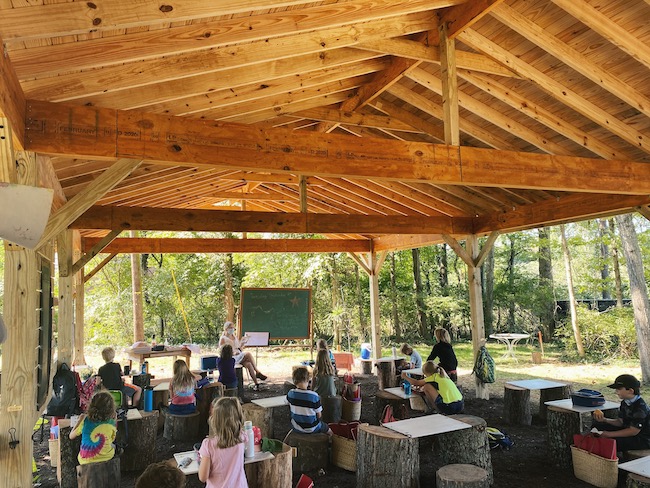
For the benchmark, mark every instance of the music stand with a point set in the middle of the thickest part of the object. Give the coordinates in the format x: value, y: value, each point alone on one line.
x: 257, y: 340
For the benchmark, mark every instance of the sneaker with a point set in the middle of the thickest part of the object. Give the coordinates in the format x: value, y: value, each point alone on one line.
x: 261, y: 376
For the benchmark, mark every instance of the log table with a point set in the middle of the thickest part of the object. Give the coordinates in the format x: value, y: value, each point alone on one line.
x: 386, y: 458
x: 142, y: 428
x: 386, y: 372
x: 639, y: 472
x: 270, y: 404
x: 516, y: 398
x: 564, y: 420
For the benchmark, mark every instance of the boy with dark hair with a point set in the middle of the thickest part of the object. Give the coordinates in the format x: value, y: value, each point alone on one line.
x: 161, y: 475
x: 111, y: 374
x: 631, y: 429
x: 305, y: 406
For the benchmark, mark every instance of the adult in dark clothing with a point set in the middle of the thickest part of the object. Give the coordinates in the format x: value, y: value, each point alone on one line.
x: 445, y: 353
x: 631, y: 429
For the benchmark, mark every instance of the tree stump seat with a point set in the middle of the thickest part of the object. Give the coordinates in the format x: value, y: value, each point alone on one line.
x: 312, y: 451
x: 332, y: 406
x: 466, y: 446
x: 104, y: 475
x: 386, y: 374
x: 637, y: 481
x: 384, y: 398
x: 181, y: 427
x: 386, y: 458
x: 462, y: 476
x: 366, y: 366
x: 260, y: 417
x: 140, y: 436
x: 516, y: 405
x: 204, y: 398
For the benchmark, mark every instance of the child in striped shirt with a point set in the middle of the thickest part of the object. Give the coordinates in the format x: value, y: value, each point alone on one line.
x: 305, y: 406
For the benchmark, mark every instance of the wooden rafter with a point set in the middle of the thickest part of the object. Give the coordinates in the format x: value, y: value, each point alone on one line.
x: 461, y: 17
x: 98, y: 268
x: 12, y: 99
x: 97, y: 247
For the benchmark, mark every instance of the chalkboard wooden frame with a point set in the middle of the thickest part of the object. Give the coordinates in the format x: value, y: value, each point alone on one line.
x: 292, y: 320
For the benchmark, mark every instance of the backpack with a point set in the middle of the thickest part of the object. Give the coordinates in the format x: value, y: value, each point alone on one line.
x: 86, y: 391
x: 484, y: 366
x: 389, y: 416
x: 65, y: 397
x: 498, y: 439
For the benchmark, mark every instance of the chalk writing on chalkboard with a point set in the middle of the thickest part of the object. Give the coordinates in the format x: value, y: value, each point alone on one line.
x: 283, y: 312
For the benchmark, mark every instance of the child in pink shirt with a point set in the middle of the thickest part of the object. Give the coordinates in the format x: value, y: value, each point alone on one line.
x: 222, y: 456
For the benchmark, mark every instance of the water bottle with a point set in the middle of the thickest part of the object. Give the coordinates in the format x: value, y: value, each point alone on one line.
x: 249, y: 451
x: 148, y: 399
x: 407, y: 388
x: 394, y: 352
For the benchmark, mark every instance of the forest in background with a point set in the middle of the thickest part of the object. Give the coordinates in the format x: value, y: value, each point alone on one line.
x: 524, y: 282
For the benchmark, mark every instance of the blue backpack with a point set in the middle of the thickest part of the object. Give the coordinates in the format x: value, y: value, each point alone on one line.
x: 498, y: 439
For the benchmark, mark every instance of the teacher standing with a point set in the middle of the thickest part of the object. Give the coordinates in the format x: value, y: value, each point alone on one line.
x: 244, y: 358
x: 445, y: 353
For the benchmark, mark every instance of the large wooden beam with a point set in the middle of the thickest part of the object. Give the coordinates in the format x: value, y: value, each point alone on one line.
x: 463, y: 16
x: 134, y: 218
x: 105, y: 133
x: 398, y: 242
x: 98, y: 247
x: 152, y: 245
x: 12, y: 99
x: 557, y: 211
x: 85, y: 199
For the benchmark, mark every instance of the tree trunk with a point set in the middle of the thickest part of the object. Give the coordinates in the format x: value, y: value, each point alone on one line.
x: 393, y: 298
x: 229, y: 295
x: 141, y: 433
x: 618, y: 284
x: 638, y: 291
x: 487, y: 280
x: 516, y: 405
x: 511, y: 284
x: 545, y: 267
x: 443, y: 279
x: 419, y: 293
x: 572, y: 298
x: 604, y: 257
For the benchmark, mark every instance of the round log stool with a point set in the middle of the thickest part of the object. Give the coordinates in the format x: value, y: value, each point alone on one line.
x: 140, y: 450
x: 366, y: 366
x: 386, y: 458
x: 274, y: 472
x: 638, y: 454
x: 637, y: 481
x: 260, y: 416
x: 561, y: 425
x: 160, y: 399
x: 181, y: 427
x: 311, y: 450
x: 550, y: 394
x: 204, y: 398
x: 383, y: 398
x: 386, y: 373
x: 466, y: 446
x: 331, y: 408
x: 462, y: 476
x: 106, y: 474
x: 516, y: 405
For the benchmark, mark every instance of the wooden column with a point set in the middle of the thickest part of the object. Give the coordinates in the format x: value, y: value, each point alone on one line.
x: 476, y: 308
x: 65, y: 323
x: 79, y: 336
x: 19, y: 358
x: 375, y: 317
x: 136, y: 291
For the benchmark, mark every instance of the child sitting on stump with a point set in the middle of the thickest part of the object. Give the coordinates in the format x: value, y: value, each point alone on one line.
x: 631, y: 429
x: 181, y: 390
x: 111, y: 374
x: 440, y: 392
x: 97, y: 429
x: 305, y: 406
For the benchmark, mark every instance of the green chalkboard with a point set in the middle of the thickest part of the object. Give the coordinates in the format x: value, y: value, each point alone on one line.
x: 284, y: 312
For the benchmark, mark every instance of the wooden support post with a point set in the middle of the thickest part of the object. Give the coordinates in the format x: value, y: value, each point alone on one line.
x: 136, y: 295
x: 470, y: 446
x: 79, y: 357
x: 476, y: 309
x: 65, y: 324
x: 19, y: 352
x: 386, y: 458
x: 375, y: 316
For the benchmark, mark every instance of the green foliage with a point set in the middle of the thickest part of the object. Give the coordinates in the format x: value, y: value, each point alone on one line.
x: 605, y: 335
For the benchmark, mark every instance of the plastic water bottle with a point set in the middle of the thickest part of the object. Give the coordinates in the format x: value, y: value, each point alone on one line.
x: 249, y: 451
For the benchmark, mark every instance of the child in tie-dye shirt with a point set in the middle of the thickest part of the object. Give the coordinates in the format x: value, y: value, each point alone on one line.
x: 97, y: 429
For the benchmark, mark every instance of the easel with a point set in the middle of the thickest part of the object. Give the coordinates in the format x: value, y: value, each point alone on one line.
x: 257, y: 340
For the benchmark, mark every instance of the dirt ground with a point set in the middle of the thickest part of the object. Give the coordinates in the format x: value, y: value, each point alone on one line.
x: 526, y: 462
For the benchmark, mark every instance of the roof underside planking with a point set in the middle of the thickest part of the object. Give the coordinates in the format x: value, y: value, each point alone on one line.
x: 326, y: 118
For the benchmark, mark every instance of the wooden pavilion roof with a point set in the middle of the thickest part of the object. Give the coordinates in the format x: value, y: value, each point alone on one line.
x: 327, y: 117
